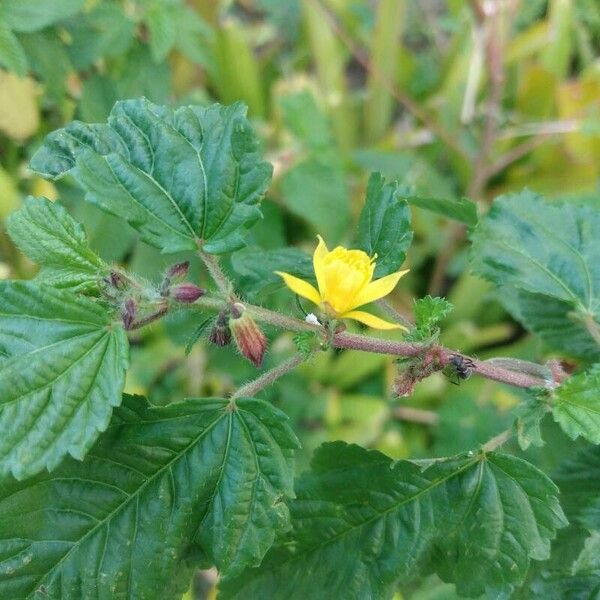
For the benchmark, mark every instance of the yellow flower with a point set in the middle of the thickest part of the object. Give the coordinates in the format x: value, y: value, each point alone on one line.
x: 345, y: 282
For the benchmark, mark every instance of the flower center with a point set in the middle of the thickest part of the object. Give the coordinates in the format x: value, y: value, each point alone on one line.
x: 346, y: 273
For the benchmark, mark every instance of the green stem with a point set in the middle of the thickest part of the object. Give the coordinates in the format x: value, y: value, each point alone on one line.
x: 214, y: 268
x: 253, y: 387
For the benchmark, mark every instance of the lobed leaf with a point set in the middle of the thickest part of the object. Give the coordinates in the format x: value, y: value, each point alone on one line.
x: 428, y: 313
x: 183, y: 178
x: 50, y: 237
x: 362, y: 522
x: 384, y: 225
x: 120, y: 524
x: 576, y: 405
x: 63, y: 372
x: 547, y: 255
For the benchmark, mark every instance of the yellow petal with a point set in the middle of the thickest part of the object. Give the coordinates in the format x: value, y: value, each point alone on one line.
x: 300, y: 287
x: 371, y: 320
x: 319, y: 263
x: 377, y: 289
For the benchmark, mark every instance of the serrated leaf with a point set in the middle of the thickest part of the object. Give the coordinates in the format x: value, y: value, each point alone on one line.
x: 31, y: 15
x: 530, y: 414
x: 197, y: 334
x: 428, y: 313
x: 50, y: 237
x: 119, y: 524
x: 576, y: 405
x: 462, y: 209
x: 362, y: 522
x: 545, y: 251
x: 384, y: 225
x: 12, y: 55
x: 256, y: 267
x: 554, y: 321
x: 579, y: 581
x: 181, y: 177
x: 63, y: 373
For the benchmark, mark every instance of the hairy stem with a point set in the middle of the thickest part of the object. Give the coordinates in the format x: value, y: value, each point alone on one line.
x: 522, y: 374
x: 253, y: 387
x: 497, y: 441
x: 214, y: 269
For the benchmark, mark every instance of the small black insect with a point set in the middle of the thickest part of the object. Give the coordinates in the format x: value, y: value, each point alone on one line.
x: 462, y: 367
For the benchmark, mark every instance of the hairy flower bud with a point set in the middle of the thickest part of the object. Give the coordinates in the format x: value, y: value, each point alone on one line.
x: 178, y: 271
x: 128, y: 313
x: 220, y: 334
x: 249, y: 338
x: 187, y: 292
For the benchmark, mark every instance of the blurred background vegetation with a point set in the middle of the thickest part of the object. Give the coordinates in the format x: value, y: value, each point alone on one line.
x: 452, y: 98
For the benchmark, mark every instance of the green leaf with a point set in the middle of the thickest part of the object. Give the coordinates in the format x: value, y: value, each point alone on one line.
x: 462, y: 210
x: 384, y: 225
x: 197, y: 334
x: 103, y: 31
x: 530, y: 414
x: 64, y: 373
x: 256, y: 267
x: 576, y: 405
x: 119, y: 524
x: 362, y: 522
x: 12, y: 55
x: 161, y: 19
x: 549, y: 252
x: 180, y: 177
x: 50, y: 237
x: 428, y: 313
x: 579, y: 581
x: 31, y: 15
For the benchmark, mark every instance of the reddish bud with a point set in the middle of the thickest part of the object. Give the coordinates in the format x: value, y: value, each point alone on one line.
x: 187, y: 292
x: 117, y: 280
x: 220, y: 334
x: 249, y: 338
x: 128, y: 313
x: 178, y: 271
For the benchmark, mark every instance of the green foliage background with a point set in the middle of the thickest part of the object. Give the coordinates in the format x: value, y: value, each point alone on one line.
x: 337, y: 89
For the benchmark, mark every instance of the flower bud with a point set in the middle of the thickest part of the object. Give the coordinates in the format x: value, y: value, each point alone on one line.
x: 187, y: 292
x: 178, y: 271
x: 249, y: 338
x: 220, y: 334
x: 128, y: 313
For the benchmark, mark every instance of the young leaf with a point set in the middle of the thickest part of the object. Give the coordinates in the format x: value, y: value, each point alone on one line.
x: 576, y: 405
x: 546, y: 251
x: 530, y: 414
x: 462, y: 210
x: 63, y: 373
x: 362, y: 522
x: 384, y: 225
x: 428, y: 313
x: 182, y: 178
x: 119, y: 524
x: 50, y: 237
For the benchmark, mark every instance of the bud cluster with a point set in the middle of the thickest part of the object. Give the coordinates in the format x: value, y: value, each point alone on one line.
x: 235, y: 322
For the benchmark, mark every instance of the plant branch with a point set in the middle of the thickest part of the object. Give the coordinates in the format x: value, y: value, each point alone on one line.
x: 214, y: 269
x: 497, y: 441
x: 521, y: 375
x: 253, y: 387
